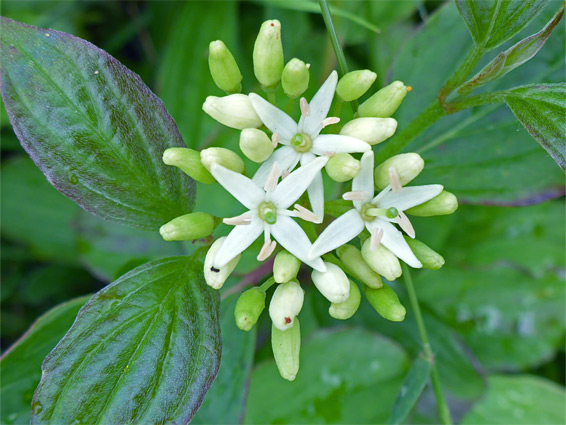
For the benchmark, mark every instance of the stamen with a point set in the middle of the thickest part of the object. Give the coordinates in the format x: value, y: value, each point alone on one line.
x: 266, y: 250
x: 394, y: 180
x: 329, y: 121
x: 329, y: 154
x: 376, y: 237
x: 355, y: 195
x: 305, y: 108
x: 305, y: 214
x: 405, y: 224
x: 271, y: 182
x: 285, y: 174
x: 274, y: 139
x: 242, y: 219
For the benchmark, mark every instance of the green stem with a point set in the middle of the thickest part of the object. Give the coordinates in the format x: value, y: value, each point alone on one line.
x: 472, y: 59
x: 443, y: 410
x: 338, y: 107
x: 289, y: 107
x: 267, y: 284
x: 272, y: 98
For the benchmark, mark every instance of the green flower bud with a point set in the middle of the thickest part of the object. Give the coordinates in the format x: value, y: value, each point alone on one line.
x: 382, y: 261
x: 235, y: 111
x: 370, y: 130
x: 223, y: 68
x: 385, y: 102
x: 342, y: 167
x: 286, y: 347
x: 386, y: 302
x: 357, y: 267
x: 286, y: 304
x: 255, y: 144
x: 407, y: 165
x: 224, y: 157
x: 443, y: 204
x: 285, y: 267
x: 295, y: 78
x: 348, y: 308
x: 249, y: 307
x: 333, y: 284
x: 215, y: 277
x: 188, y: 160
x: 188, y: 227
x: 268, y: 54
x: 354, y: 84
x: 429, y: 258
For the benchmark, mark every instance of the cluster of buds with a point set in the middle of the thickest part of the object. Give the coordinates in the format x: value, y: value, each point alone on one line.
x: 285, y: 200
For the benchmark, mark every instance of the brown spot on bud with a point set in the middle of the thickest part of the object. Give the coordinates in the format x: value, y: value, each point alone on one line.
x: 287, y: 320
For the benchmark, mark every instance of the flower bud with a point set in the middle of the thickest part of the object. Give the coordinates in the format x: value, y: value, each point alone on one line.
x: 285, y: 267
x: 235, y: 111
x: 216, y: 276
x: 286, y: 347
x: 249, y: 307
x: 357, y: 267
x: 429, y: 258
x: 188, y: 227
x: 382, y: 261
x: 286, y: 304
x: 386, y: 302
x: 443, y: 204
x: 333, y: 283
x: 370, y: 130
x: 407, y: 165
x: 348, y: 308
x: 268, y: 55
x: 354, y: 84
x: 223, y: 68
x: 255, y: 144
x: 342, y: 167
x: 295, y: 78
x: 188, y: 160
x: 385, y: 102
x: 222, y: 156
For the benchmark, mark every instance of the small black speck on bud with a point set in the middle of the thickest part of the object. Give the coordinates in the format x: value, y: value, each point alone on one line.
x: 214, y: 269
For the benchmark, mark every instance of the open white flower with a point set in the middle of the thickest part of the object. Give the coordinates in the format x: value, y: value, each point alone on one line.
x: 268, y: 213
x: 303, y: 141
x: 377, y: 214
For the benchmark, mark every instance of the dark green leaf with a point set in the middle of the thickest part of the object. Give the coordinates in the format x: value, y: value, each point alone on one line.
x: 143, y: 350
x: 92, y: 126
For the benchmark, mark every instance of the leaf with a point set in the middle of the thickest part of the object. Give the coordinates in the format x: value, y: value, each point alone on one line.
x: 20, y: 366
x: 92, y: 126
x: 145, y: 349
x: 491, y: 22
x: 519, y: 400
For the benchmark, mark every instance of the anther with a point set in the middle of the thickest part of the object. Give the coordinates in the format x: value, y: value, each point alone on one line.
x: 285, y: 174
x: 329, y: 121
x: 266, y: 250
x: 271, y: 182
x: 305, y: 214
x: 305, y: 108
x: 275, y: 139
x: 394, y: 180
x: 405, y: 224
x: 376, y: 237
x: 329, y: 153
x: 242, y: 219
x: 355, y: 195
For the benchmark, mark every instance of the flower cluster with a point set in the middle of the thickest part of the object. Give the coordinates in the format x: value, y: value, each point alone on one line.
x: 284, y: 200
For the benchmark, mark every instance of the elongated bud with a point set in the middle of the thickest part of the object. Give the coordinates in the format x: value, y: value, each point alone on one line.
x: 348, y: 308
x: 429, y: 258
x: 285, y: 267
x: 286, y: 304
x: 188, y: 227
x: 443, y: 204
x: 382, y: 261
x: 235, y: 111
x: 215, y: 277
x: 370, y: 130
x: 357, y: 267
x: 295, y: 78
x: 407, y: 165
x: 188, y: 160
x: 222, y: 156
x: 286, y: 347
x: 333, y: 284
x: 268, y: 54
x: 223, y: 68
x: 342, y: 167
x: 255, y: 144
x: 386, y: 302
x: 385, y: 102
x: 249, y: 307
x: 354, y: 84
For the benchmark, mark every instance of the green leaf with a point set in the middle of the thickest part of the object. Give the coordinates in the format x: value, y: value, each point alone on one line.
x: 491, y: 22
x: 145, y: 349
x: 92, y: 126
x: 341, y: 376
x: 20, y: 366
x: 519, y: 400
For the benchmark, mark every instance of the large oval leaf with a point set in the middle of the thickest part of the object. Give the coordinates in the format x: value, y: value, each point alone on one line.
x: 93, y: 127
x: 143, y: 350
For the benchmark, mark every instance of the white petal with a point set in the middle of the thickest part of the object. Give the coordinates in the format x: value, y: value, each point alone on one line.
x: 239, y: 186
x: 307, y: 157
x: 394, y: 241
x: 336, y: 143
x: 284, y: 156
x: 237, y: 241
x: 410, y: 197
x: 295, y: 184
x: 275, y: 119
x: 319, y: 106
x: 291, y: 237
x: 316, y: 196
x: 363, y: 182
x: 342, y: 230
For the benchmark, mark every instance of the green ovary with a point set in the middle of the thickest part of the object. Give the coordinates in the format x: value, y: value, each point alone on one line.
x: 301, y: 142
x: 267, y: 211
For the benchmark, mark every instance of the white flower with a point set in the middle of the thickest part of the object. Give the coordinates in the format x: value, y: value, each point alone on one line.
x: 268, y: 213
x: 377, y: 214
x: 303, y: 141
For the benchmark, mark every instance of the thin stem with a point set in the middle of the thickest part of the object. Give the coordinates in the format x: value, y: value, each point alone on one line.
x: 462, y: 73
x: 338, y: 107
x: 290, y: 104
x: 267, y: 284
x: 443, y: 410
x: 272, y: 98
